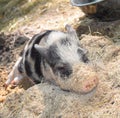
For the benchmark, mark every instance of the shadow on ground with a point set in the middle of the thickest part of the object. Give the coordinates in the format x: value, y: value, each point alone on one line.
x: 105, y: 22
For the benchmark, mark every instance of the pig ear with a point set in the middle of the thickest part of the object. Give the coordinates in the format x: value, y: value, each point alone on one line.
x: 42, y: 50
x: 71, y: 31
x: 69, y: 28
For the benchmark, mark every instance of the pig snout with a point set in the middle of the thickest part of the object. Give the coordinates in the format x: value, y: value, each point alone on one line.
x: 83, y: 80
x: 89, y: 84
x: 84, y: 77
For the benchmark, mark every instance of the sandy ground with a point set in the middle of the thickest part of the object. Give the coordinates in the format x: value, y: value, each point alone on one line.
x: 55, y: 18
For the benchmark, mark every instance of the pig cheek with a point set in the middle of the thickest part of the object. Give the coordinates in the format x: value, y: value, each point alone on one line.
x: 48, y: 73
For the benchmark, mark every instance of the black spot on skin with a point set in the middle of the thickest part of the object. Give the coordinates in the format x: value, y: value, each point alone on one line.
x: 55, y: 62
x: 83, y: 56
x: 27, y: 52
x: 64, y: 70
x: 52, y: 57
x: 36, y: 40
x: 37, y: 66
x: 65, y: 42
x: 37, y: 69
x: 34, y: 55
x: 29, y: 73
x: 28, y: 69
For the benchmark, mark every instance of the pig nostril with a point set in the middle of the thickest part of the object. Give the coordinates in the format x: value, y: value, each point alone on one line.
x: 95, y: 81
x: 87, y: 86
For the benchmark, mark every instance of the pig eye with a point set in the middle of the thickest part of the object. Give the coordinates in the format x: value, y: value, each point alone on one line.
x: 61, y: 69
x: 64, y: 70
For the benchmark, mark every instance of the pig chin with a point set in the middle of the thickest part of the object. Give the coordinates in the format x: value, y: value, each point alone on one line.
x: 83, y: 79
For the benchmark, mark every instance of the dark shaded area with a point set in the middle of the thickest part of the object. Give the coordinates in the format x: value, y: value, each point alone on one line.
x: 9, y: 42
x: 104, y: 22
x: 106, y: 14
x: 20, y: 40
x: 95, y: 27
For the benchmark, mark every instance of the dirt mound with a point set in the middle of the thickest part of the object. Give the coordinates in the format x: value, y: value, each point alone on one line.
x: 54, y: 102
x: 45, y: 100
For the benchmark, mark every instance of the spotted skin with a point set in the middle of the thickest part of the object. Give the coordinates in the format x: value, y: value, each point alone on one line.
x: 52, y: 55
